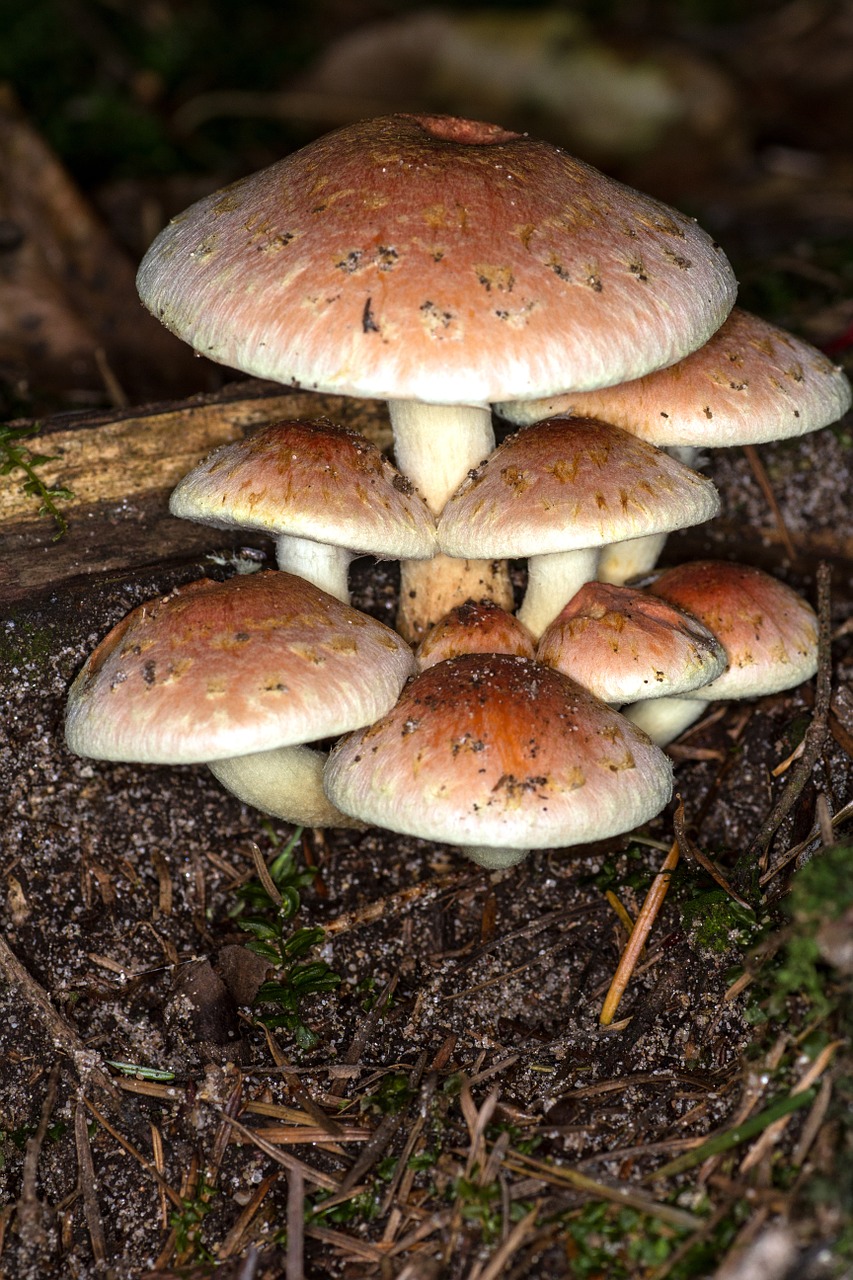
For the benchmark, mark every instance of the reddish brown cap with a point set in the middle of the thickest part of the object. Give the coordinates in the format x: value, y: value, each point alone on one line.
x: 477, y: 626
x: 221, y: 669
x: 624, y: 645
x: 569, y: 483
x: 501, y: 751
x: 436, y: 259
x: 312, y: 480
x: 768, y: 631
x: 751, y: 382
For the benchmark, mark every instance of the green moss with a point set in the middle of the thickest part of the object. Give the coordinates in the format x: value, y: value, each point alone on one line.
x: 716, y: 921
x: 26, y: 643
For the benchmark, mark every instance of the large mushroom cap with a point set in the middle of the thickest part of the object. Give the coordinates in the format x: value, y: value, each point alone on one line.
x: 436, y: 259
x: 751, y: 382
x: 216, y: 670
x: 768, y: 631
x: 499, y: 750
x: 624, y: 645
x: 312, y: 480
x: 569, y: 483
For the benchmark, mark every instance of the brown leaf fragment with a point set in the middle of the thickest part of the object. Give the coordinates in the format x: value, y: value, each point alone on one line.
x: 69, y: 316
x: 242, y: 972
x: 201, y: 1012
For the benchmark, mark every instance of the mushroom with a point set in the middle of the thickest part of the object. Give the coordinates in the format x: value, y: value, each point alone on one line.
x: 326, y: 493
x: 750, y: 383
x: 477, y: 626
x: 624, y: 645
x: 497, y: 755
x: 768, y: 631
x: 441, y: 264
x: 227, y: 674
x: 557, y: 492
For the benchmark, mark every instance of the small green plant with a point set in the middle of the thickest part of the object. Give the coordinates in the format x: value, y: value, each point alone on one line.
x: 623, y: 1243
x: 276, y: 893
x: 392, y: 1096
x: 821, y: 892
x: 15, y: 455
x: 188, y: 1221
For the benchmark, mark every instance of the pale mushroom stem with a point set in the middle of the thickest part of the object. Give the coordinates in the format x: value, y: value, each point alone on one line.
x: 286, y: 782
x: 436, y: 446
x: 622, y: 561
x: 665, y: 718
x: 316, y: 562
x: 552, y: 580
x: 492, y: 859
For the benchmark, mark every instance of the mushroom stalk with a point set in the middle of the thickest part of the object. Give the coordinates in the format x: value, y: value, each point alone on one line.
x: 621, y: 561
x: 435, y: 446
x: 552, y: 580
x: 316, y: 562
x: 664, y: 719
x: 492, y: 859
x: 286, y: 782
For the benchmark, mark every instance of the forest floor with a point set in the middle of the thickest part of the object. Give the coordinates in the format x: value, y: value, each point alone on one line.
x: 450, y: 1106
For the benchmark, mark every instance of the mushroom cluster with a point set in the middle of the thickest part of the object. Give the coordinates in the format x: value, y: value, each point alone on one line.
x: 449, y: 266
x: 442, y: 265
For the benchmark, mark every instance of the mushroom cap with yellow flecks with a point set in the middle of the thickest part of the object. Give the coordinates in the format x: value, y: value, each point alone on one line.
x: 624, y: 645
x: 751, y: 382
x: 310, y: 479
x: 476, y: 626
x: 220, y: 669
x: 769, y: 632
x: 499, y: 750
x: 570, y: 483
x: 431, y: 258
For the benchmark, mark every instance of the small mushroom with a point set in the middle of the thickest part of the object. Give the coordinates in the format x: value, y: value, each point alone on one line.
x: 557, y: 492
x: 750, y: 383
x: 497, y: 755
x: 769, y: 634
x: 624, y: 645
x: 325, y: 493
x: 477, y: 626
x: 441, y: 264
x: 227, y: 673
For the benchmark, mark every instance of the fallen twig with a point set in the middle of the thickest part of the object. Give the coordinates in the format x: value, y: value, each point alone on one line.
x: 87, y: 1061
x: 32, y: 1214
x: 648, y: 914
x: 86, y: 1174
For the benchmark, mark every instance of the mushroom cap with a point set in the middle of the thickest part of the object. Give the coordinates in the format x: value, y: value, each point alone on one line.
x: 499, y: 750
x: 436, y: 259
x: 569, y: 483
x: 768, y: 631
x: 477, y: 626
x: 311, y: 480
x: 624, y: 645
x: 220, y: 669
x: 751, y: 382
